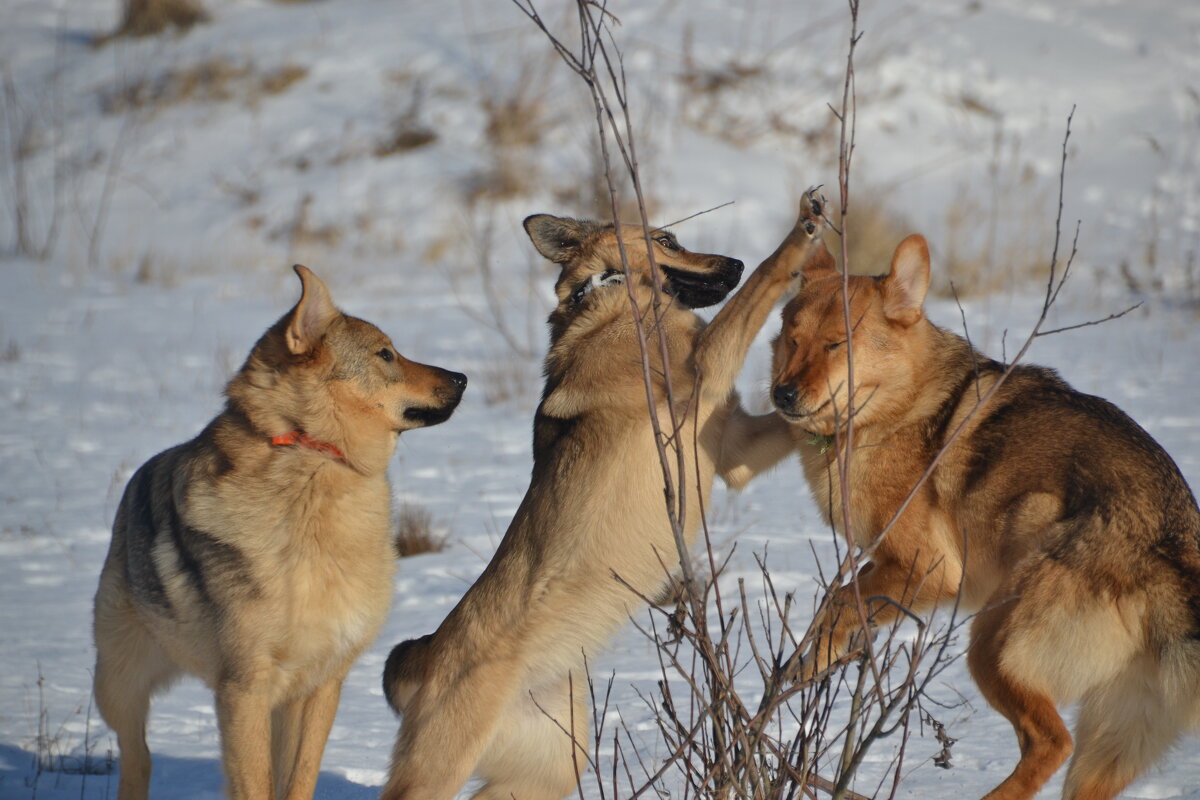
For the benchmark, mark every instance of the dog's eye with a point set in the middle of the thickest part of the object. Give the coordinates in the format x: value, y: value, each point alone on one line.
x: 386, y: 354
x: 834, y: 346
x: 666, y: 242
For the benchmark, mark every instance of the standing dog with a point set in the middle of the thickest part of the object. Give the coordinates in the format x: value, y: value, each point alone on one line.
x: 1052, y: 511
x: 499, y: 689
x: 257, y: 556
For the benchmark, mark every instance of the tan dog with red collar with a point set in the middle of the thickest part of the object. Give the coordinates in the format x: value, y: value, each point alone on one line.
x: 258, y: 555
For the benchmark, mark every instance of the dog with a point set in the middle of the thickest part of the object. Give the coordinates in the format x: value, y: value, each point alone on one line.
x: 257, y: 555
x: 1052, y: 511
x: 498, y: 691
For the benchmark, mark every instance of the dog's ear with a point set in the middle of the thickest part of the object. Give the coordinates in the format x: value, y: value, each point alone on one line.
x: 558, y: 238
x: 312, y: 315
x: 905, y: 285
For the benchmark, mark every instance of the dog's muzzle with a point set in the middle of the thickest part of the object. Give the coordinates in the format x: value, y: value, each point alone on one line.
x: 701, y: 289
x: 450, y: 392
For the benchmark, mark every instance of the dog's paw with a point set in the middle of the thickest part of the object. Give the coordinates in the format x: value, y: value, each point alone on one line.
x: 813, y: 208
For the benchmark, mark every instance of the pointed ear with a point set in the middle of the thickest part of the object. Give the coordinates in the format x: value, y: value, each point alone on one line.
x: 905, y: 285
x: 558, y: 238
x: 311, y: 316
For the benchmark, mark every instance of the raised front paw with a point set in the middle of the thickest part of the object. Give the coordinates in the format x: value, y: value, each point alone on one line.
x: 813, y: 207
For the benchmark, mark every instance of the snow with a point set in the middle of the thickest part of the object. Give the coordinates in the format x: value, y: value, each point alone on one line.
x: 178, y: 223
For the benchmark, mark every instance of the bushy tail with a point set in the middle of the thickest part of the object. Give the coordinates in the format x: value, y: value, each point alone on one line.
x: 1130, y: 722
x: 404, y: 671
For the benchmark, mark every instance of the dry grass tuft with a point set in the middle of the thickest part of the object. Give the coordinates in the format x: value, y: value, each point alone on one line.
x: 983, y: 245
x: 516, y: 120
x: 216, y: 79
x: 407, y: 135
x: 874, y: 232
x: 408, y: 132
x: 997, y: 232
x: 280, y: 80
x: 307, y: 238
x: 414, y: 532
x: 151, y: 17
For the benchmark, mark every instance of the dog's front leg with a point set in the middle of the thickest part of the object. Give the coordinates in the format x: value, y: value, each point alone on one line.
x: 305, y: 725
x: 244, y: 718
x: 752, y: 444
x: 722, y: 346
x: 907, y: 575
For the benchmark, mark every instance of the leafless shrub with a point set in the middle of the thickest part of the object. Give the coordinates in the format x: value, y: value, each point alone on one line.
x: 1007, y: 249
x: 414, y: 532
x: 1169, y: 243
x: 150, y: 17
x: 516, y: 118
x: 506, y: 304
x: 586, y: 192
x: 772, y: 737
x: 735, y: 718
x: 56, y: 751
x: 724, y: 98
x: 31, y: 139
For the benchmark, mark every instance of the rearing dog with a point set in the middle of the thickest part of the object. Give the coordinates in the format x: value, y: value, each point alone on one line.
x: 495, y: 690
x: 1052, y: 511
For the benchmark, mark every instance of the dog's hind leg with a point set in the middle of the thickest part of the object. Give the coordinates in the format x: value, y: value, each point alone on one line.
x: 404, y: 671
x: 1041, y: 735
x: 448, y: 722
x: 130, y: 668
x: 1129, y: 723
x: 541, y: 748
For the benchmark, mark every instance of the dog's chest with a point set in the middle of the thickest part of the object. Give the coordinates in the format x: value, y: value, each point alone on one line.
x: 877, y: 486
x: 331, y: 612
x: 331, y: 590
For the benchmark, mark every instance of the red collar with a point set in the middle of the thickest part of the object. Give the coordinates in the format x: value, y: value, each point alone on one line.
x: 303, y: 439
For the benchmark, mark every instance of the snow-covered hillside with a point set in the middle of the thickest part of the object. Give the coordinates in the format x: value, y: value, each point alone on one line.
x: 394, y: 147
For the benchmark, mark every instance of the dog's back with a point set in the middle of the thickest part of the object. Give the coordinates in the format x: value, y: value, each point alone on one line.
x: 1096, y: 592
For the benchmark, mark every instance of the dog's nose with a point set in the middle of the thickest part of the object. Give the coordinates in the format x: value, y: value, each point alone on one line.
x: 457, y: 380
x: 784, y: 396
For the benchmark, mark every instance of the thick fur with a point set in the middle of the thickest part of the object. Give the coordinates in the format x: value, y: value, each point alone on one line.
x: 1053, y: 512
x: 498, y: 691
x: 264, y: 568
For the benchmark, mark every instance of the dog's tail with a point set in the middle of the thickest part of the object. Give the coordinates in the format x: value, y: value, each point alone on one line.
x: 1129, y: 723
x: 405, y: 670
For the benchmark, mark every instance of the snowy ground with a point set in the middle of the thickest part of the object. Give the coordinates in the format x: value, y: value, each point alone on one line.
x: 179, y: 215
